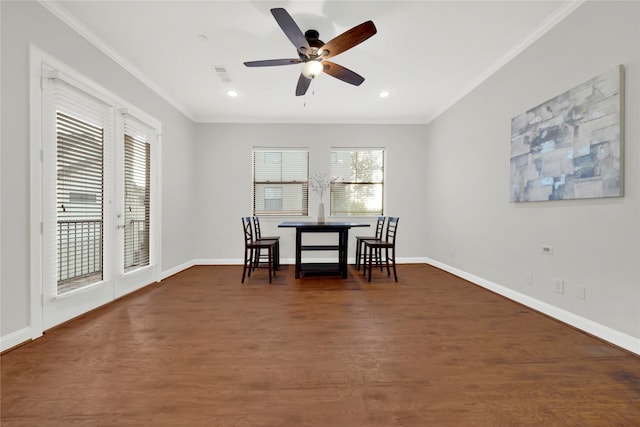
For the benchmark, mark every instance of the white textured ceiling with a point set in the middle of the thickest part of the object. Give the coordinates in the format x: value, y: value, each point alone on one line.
x: 426, y: 53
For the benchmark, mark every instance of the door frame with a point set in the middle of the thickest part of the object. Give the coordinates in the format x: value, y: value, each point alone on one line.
x: 141, y: 277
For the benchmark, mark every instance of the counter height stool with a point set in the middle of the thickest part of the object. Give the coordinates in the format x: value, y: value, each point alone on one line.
x: 252, y: 248
x: 389, y: 246
x: 259, y: 237
x: 360, y: 239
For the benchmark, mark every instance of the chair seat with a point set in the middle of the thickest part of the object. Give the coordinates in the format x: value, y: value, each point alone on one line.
x: 262, y: 243
x: 378, y: 243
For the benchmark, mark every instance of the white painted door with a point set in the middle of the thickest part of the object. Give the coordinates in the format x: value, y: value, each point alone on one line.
x: 98, y: 200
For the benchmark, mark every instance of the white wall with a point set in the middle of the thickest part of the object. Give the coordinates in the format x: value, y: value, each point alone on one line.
x: 472, y: 226
x: 225, y: 186
x: 28, y: 22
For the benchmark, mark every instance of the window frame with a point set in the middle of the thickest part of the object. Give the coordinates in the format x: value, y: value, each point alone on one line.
x: 294, y: 202
x: 341, y: 183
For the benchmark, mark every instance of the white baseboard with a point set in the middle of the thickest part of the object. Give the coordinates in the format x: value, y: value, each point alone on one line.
x: 292, y: 261
x: 175, y: 270
x: 606, y: 333
x: 217, y: 261
x: 15, y: 338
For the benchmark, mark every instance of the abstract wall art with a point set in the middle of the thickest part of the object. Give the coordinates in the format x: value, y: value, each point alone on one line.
x: 570, y: 147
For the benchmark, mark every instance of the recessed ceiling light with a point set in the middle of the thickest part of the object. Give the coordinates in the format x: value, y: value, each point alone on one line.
x: 232, y: 93
x: 385, y: 94
x: 203, y: 38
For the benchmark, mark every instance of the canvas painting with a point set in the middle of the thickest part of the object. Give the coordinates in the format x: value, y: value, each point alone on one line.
x: 570, y: 147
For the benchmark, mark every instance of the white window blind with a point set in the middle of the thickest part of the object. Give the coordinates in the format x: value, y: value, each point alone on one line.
x: 138, y: 142
x: 359, y: 188
x: 280, y: 182
x: 82, y: 125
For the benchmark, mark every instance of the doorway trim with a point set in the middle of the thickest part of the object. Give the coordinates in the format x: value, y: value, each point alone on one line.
x: 37, y: 58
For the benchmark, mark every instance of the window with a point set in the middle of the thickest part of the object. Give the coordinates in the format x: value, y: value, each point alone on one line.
x: 273, y: 198
x: 138, y: 139
x: 359, y: 188
x: 80, y: 128
x: 280, y: 182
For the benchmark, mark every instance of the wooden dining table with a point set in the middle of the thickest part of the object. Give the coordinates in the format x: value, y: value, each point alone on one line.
x: 340, y: 228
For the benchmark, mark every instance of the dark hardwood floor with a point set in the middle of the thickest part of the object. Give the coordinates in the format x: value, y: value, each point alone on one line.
x: 200, y: 349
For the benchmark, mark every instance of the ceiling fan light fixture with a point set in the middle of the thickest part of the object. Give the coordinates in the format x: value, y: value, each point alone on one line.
x: 312, y: 69
x: 384, y: 94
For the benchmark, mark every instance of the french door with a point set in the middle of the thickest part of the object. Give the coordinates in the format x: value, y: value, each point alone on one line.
x: 98, y: 187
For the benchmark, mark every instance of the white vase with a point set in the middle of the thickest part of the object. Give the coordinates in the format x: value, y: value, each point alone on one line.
x: 321, y: 212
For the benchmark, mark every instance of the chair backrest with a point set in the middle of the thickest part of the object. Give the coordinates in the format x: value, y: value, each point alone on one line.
x: 256, y: 227
x: 380, y: 226
x: 392, y: 227
x: 248, y: 233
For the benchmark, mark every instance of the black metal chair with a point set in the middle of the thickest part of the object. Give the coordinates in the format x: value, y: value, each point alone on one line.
x: 389, y: 246
x: 259, y: 237
x: 251, y: 257
x: 360, y: 239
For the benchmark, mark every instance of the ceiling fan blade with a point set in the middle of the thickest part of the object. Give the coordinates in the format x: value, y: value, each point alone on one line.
x: 291, y: 30
x: 342, y: 73
x: 349, y: 39
x: 272, y: 62
x: 303, y: 85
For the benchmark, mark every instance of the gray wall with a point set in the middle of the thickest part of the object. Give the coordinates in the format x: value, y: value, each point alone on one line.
x: 471, y: 224
x: 225, y: 186
x: 28, y: 22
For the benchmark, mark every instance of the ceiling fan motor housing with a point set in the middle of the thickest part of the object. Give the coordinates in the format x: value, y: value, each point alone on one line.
x: 314, y: 42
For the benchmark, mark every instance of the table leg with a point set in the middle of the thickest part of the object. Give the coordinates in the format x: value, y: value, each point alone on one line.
x: 298, y: 252
x: 344, y: 242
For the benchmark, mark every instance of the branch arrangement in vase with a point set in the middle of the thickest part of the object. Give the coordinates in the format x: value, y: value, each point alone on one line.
x: 321, y: 182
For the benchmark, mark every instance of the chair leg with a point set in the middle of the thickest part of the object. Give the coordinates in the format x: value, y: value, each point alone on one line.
x: 395, y: 273
x: 270, y: 255
x: 371, y: 250
x: 256, y: 258
x: 275, y: 260
x: 364, y: 260
x: 387, y: 259
x: 358, y: 246
x: 244, y: 266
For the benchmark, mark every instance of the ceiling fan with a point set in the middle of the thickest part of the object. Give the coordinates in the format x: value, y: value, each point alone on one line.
x: 313, y: 52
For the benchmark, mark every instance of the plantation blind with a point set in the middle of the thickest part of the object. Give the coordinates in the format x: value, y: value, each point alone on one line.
x: 138, y: 142
x: 82, y: 126
x: 280, y: 182
x: 359, y: 187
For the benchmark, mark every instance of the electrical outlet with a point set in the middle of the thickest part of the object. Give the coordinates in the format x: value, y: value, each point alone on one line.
x: 580, y: 292
x: 558, y: 285
x: 546, y: 249
x: 528, y: 278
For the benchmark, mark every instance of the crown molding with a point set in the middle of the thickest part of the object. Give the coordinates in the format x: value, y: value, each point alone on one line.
x: 61, y: 13
x: 545, y: 26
